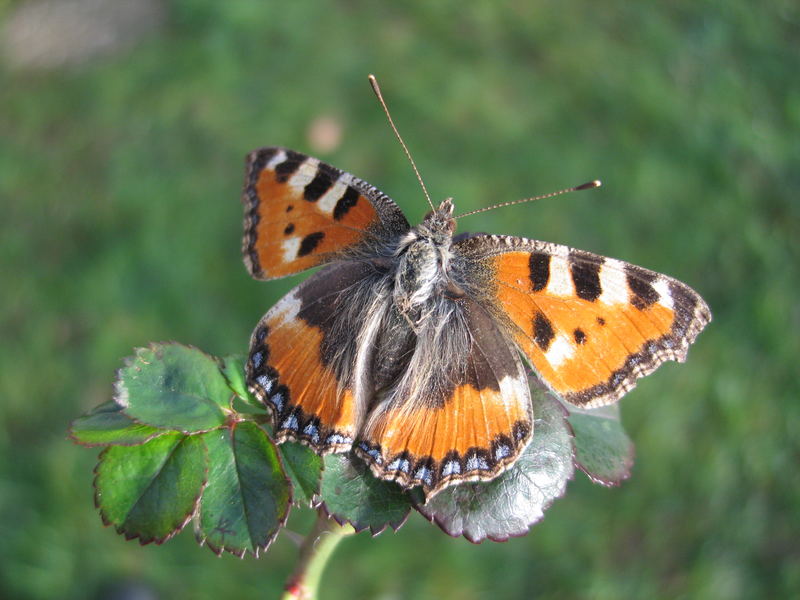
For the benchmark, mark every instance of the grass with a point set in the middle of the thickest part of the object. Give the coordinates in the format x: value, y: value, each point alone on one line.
x: 119, y: 185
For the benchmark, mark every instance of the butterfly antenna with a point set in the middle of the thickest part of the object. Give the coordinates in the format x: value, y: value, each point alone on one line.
x: 376, y: 88
x: 584, y: 186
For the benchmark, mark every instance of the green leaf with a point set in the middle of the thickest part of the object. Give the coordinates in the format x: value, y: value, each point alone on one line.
x: 508, y: 505
x: 351, y: 494
x: 304, y: 468
x: 248, y: 497
x: 602, y: 448
x: 151, y: 491
x: 233, y: 370
x: 108, y: 425
x: 171, y: 386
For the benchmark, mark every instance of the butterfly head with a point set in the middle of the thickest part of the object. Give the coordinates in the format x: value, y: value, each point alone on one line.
x: 439, y: 224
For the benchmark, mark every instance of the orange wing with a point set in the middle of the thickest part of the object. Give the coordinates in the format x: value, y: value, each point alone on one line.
x: 300, y: 213
x: 472, y: 432
x: 300, y: 362
x: 591, y: 326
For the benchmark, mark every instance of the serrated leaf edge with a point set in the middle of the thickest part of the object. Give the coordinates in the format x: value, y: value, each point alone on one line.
x: 313, y: 501
x: 142, y: 541
x: 359, y: 527
x: 629, y: 459
x: 609, y: 483
x: 436, y: 520
x: 319, y: 503
x: 120, y: 395
x: 255, y: 552
x: 156, y: 434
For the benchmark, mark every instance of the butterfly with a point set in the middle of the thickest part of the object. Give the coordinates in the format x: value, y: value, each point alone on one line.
x: 407, y: 346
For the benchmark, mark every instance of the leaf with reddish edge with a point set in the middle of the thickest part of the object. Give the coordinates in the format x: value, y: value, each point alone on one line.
x: 602, y: 448
x: 304, y: 468
x: 151, y: 491
x: 171, y: 386
x: 107, y: 425
x: 233, y: 370
x: 510, y: 504
x: 350, y: 493
x: 248, y: 496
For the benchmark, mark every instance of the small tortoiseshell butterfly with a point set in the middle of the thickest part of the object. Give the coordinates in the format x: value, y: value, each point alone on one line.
x: 406, y: 346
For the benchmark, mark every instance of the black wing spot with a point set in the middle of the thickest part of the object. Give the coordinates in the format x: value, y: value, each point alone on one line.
x: 285, y: 169
x: 601, y: 321
x: 580, y: 336
x: 345, y: 203
x: 309, y: 243
x: 639, y: 282
x: 539, y: 264
x: 289, y: 229
x: 586, y: 277
x: 322, y: 182
x: 543, y: 333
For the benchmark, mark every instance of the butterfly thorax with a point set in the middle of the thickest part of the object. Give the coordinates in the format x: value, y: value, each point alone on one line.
x: 424, y: 255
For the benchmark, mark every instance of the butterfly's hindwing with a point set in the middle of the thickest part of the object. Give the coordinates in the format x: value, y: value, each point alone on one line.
x: 303, y: 352
x: 471, y: 429
x: 591, y: 326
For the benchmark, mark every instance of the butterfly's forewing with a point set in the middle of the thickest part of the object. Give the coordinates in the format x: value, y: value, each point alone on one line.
x: 591, y: 326
x: 471, y: 431
x: 301, y: 212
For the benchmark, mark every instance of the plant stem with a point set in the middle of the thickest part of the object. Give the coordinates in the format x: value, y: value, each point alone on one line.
x: 315, y: 551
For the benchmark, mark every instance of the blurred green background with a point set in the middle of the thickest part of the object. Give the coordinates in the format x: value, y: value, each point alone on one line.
x: 120, y: 173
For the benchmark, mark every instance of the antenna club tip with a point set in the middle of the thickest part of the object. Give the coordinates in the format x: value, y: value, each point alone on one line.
x: 373, y: 82
x: 589, y: 185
